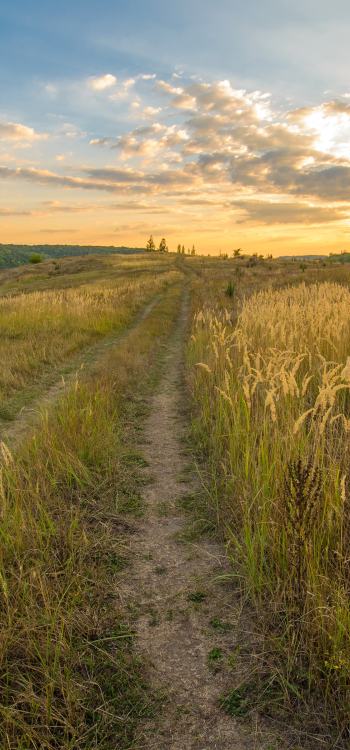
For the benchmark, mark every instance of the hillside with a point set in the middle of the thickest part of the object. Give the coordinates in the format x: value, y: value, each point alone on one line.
x: 16, y: 255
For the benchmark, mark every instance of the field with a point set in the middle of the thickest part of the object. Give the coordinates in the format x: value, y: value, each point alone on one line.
x: 174, y: 504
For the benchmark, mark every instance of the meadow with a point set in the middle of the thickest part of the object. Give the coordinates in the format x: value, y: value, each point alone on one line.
x: 42, y: 329
x: 270, y: 377
x: 68, y: 675
x: 264, y: 383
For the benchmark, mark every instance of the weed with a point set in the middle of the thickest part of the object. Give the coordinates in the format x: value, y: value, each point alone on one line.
x: 160, y: 570
x: 230, y: 289
x: 197, y: 597
x: 220, y: 625
x: 215, y: 654
x: 236, y: 702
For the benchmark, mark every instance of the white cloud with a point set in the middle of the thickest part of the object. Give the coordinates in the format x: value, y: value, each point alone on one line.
x: 15, y: 131
x: 151, y: 111
x: 101, y: 83
x: 169, y: 89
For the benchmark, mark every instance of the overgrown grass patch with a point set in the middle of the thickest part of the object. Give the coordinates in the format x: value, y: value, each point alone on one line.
x: 69, y: 676
x: 271, y: 418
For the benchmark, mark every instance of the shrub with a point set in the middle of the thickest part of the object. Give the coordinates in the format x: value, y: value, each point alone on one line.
x: 35, y: 258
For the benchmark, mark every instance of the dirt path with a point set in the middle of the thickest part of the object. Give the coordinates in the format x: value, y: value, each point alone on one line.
x: 182, y: 607
x: 45, y: 394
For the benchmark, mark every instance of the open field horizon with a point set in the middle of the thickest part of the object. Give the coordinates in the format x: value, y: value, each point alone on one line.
x: 105, y: 142
x: 174, y: 497
x: 174, y: 375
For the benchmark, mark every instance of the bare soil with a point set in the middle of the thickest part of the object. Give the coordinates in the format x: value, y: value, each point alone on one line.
x: 182, y: 588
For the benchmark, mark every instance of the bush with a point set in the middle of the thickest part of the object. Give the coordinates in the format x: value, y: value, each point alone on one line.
x: 35, y: 258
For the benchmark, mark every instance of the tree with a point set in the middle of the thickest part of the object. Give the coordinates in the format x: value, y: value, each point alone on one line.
x: 236, y: 253
x: 150, y: 247
x: 183, y: 250
x: 163, y: 248
x: 193, y: 251
x: 179, y: 248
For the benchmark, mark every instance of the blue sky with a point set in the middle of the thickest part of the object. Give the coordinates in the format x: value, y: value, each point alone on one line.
x: 78, y: 74
x: 299, y: 47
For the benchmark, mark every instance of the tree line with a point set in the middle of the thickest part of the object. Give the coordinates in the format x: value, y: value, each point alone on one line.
x: 163, y: 247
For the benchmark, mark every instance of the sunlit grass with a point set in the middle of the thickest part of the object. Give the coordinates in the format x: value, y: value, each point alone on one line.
x: 273, y: 418
x: 68, y: 677
x: 39, y: 330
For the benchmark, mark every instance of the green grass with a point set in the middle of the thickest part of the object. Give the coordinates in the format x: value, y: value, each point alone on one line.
x: 197, y: 597
x: 215, y: 655
x: 217, y: 624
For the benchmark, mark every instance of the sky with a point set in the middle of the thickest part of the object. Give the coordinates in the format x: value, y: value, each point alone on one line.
x: 220, y: 124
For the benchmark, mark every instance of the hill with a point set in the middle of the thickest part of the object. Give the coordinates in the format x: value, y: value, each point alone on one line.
x: 16, y: 255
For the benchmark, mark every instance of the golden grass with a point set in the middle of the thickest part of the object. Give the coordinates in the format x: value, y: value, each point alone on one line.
x: 272, y: 390
x: 41, y: 329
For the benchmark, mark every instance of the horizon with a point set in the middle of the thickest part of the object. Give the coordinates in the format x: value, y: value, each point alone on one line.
x: 218, y: 126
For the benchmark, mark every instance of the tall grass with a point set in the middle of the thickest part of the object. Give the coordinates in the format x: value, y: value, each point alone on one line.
x: 273, y: 418
x: 39, y: 330
x: 68, y: 677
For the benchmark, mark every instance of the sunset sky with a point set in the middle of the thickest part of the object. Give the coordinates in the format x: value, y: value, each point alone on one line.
x: 224, y: 124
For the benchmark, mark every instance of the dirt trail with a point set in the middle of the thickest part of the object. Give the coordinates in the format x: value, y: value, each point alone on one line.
x: 13, y: 432
x: 179, y: 594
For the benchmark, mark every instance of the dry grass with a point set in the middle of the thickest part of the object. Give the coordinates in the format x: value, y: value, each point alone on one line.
x: 272, y: 390
x: 41, y: 329
x: 68, y: 677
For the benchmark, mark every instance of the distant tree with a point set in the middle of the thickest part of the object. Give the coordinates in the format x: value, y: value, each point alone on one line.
x: 179, y: 248
x: 237, y: 252
x: 183, y: 250
x: 193, y: 251
x: 150, y: 247
x: 35, y: 258
x: 163, y: 248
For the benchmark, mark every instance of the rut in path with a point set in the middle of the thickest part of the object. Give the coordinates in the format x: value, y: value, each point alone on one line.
x: 12, y: 433
x: 174, y: 635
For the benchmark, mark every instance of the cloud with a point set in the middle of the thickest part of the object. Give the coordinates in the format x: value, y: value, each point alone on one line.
x: 142, y: 207
x: 331, y: 183
x: 105, y: 179
x: 45, y: 177
x: 48, y: 230
x: 15, y: 131
x: 52, y: 207
x: 268, y: 212
x: 168, y: 88
x: 13, y: 212
x: 212, y: 145
x: 101, y: 83
x: 151, y: 111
